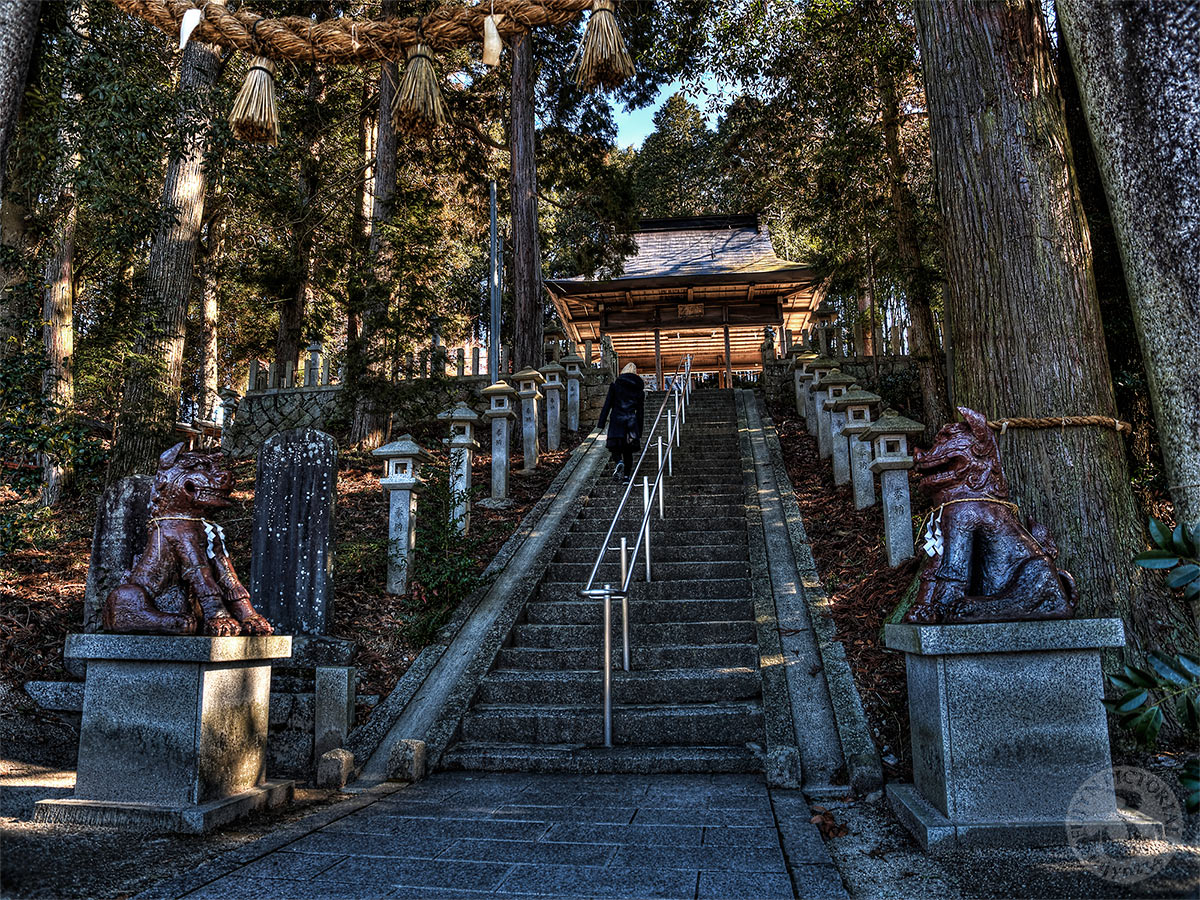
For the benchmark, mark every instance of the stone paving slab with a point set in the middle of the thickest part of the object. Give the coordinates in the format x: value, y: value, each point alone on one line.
x: 473, y: 834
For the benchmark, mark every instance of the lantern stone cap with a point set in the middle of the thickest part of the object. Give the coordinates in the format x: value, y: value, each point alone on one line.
x: 836, y: 378
x: 402, y: 446
x: 315, y: 347
x: 825, y: 311
x: 553, y: 330
x: 800, y: 357
x: 856, y: 396
x: 552, y: 367
x: 572, y: 359
x: 891, y: 422
x: 530, y: 374
x: 228, y: 393
x: 460, y: 412
x: 501, y: 388
x: 821, y: 362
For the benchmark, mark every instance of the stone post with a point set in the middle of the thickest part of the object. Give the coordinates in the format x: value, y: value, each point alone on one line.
x: 800, y: 379
x: 401, y: 479
x: 528, y: 381
x: 462, y: 446
x: 787, y: 341
x: 574, y: 367
x: 858, y: 419
x: 460, y: 363
x: 553, y: 373
x: 505, y: 357
x: 289, y: 374
x: 312, y: 368
x: 501, y: 399
x: 814, y: 371
x: 272, y: 377
x: 890, y: 439
x: 475, y: 361
x: 831, y: 386
x: 423, y: 364
x: 858, y: 400
x: 410, y: 366
x: 587, y: 354
x: 252, y: 377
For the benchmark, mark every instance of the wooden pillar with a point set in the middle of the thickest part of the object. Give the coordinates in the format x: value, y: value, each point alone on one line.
x: 728, y: 360
x: 658, y: 372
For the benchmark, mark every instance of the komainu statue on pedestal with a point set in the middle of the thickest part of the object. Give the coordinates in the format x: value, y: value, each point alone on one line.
x: 184, y: 581
x: 984, y: 565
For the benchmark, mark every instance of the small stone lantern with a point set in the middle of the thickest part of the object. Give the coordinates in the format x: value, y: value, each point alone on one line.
x: 528, y: 381
x: 312, y: 366
x: 554, y: 387
x: 224, y: 411
x: 462, y: 446
x: 857, y: 405
x: 830, y: 385
x: 502, y: 400
x: 825, y: 314
x: 402, y: 460
x: 814, y: 370
x: 800, y: 361
x: 573, y: 363
x: 889, y: 437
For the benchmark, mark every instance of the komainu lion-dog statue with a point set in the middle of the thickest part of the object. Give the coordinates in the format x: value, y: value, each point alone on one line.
x: 984, y: 565
x: 184, y: 581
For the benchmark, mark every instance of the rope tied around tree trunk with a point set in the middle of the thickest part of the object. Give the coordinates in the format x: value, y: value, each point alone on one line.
x: 349, y: 40
x: 1002, y: 425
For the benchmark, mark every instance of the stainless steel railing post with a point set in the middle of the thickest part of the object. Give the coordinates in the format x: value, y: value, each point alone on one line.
x: 670, y: 444
x: 608, y: 665
x: 646, y: 518
x: 662, y: 488
x: 625, y: 601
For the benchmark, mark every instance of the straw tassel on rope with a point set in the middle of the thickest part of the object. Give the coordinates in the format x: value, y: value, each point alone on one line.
x: 418, y: 105
x: 602, y: 57
x: 254, y: 117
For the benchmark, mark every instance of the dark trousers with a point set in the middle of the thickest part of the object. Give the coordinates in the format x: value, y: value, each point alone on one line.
x: 626, y: 456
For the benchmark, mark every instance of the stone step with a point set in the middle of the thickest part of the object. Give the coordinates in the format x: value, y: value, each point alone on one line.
x: 591, y: 541
x: 590, y: 612
x: 703, y: 589
x: 577, y: 573
x: 708, y: 724
x: 505, y: 686
x: 719, y: 523
x: 577, y: 760
x: 659, y: 554
x: 710, y: 655
x: 641, y: 634
x: 709, y: 492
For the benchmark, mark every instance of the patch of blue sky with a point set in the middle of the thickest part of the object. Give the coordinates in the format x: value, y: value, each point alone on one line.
x: 709, y: 93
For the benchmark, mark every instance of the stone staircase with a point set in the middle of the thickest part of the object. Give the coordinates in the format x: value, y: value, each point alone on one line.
x: 693, y: 700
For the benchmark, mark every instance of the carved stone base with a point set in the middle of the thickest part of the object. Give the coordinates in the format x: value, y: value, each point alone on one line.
x: 173, y: 732
x: 1007, y: 729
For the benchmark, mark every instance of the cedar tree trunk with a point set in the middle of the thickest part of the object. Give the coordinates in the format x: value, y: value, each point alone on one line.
x: 18, y: 35
x: 528, y: 349
x: 150, y: 404
x: 1025, y: 319
x: 1137, y: 66
x: 209, y: 315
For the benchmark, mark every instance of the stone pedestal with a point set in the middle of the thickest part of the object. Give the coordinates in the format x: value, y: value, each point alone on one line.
x: 1007, y: 726
x: 897, y: 510
x: 839, y: 448
x: 174, y: 732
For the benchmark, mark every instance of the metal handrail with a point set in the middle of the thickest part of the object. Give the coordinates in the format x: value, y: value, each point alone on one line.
x: 680, y: 393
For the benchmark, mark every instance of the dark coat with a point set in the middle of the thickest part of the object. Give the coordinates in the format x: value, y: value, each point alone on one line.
x: 625, y: 401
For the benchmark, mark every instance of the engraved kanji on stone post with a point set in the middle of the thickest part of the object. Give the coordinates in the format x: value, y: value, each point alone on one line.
x: 401, y: 479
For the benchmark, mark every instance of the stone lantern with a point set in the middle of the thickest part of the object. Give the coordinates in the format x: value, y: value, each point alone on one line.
x: 553, y: 389
x: 800, y: 361
x: 402, y: 460
x: 528, y: 381
x: 857, y: 405
x: 830, y: 385
x: 224, y: 411
x: 462, y: 446
x: 312, y: 366
x: 825, y: 314
x: 501, y: 412
x: 573, y: 363
x: 814, y: 371
x: 889, y: 437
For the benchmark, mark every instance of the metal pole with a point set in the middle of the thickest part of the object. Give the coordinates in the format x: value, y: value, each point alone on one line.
x: 646, y: 517
x: 608, y: 665
x: 624, y: 564
x: 494, y: 287
x: 670, y: 444
x: 661, y: 486
x: 625, y: 599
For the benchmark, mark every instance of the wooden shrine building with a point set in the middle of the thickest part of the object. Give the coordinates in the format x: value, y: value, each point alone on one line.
x: 706, y: 286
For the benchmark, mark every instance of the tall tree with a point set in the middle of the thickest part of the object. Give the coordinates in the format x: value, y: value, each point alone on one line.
x: 528, y: 300
x: 1136, y: 65
x: 150, y: 401
x: 18, y: 34
x: 1024, y: 313
x: 210, y: 278
x: 674, y: 173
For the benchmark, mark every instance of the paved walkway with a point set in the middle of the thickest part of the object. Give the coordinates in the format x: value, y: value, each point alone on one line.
x: 474, y: 834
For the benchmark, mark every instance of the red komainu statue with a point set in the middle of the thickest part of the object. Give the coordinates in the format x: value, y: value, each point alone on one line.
x: 984, y: 565
x: 184, y: 582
